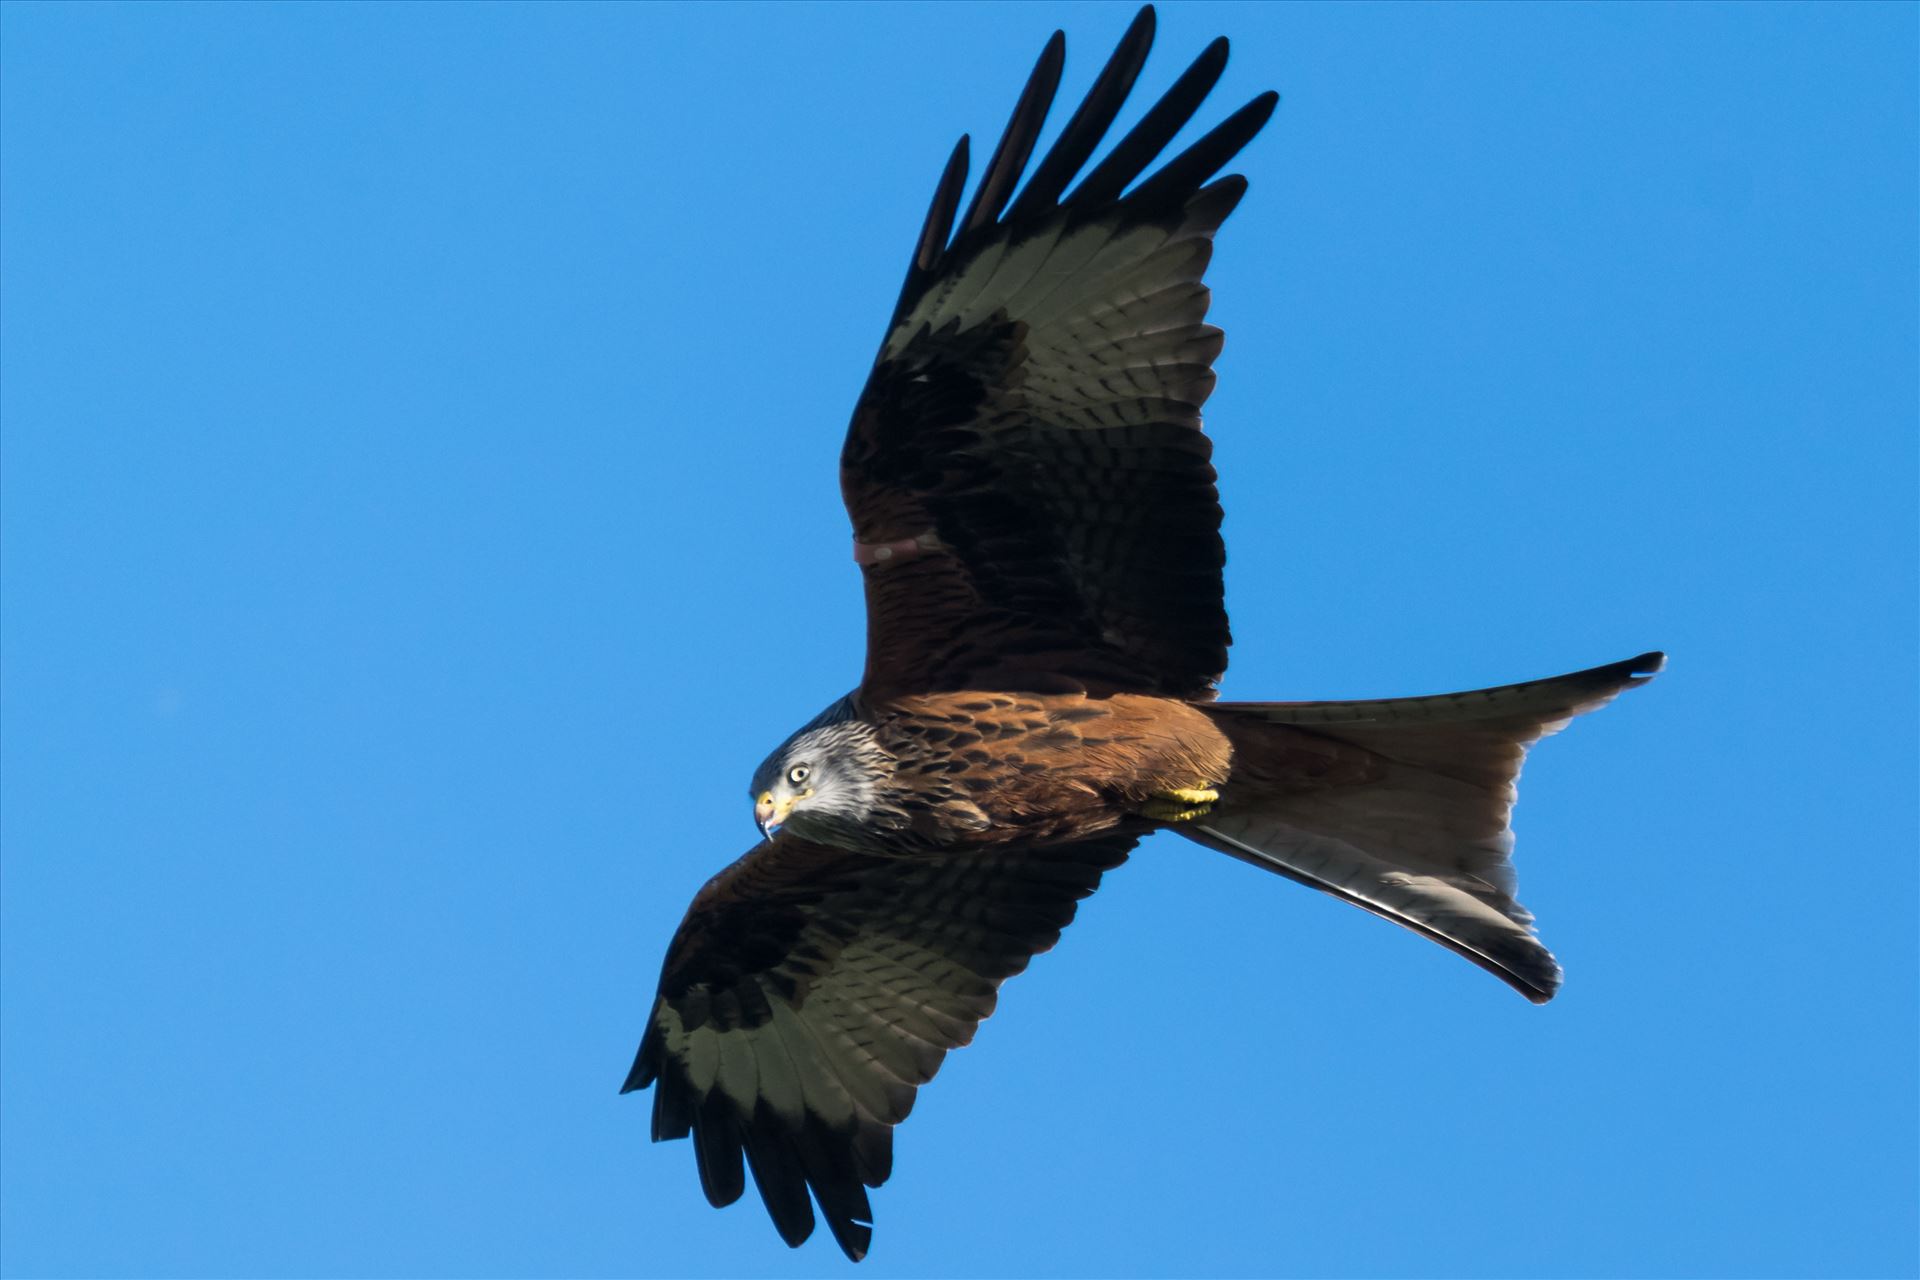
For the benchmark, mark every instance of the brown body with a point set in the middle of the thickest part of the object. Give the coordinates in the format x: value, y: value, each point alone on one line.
x: 989, y: 768
x: 1037, y: 524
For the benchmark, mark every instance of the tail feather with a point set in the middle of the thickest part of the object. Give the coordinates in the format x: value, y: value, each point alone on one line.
x: 1401, y: 805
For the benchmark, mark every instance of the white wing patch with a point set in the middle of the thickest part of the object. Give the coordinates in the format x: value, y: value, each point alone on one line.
x: 1114, y: 332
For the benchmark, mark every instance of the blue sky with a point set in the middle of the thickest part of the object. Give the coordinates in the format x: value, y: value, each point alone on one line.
x: 419, y: 517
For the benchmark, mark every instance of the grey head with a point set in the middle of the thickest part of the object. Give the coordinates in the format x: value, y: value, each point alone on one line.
x: 825, y: 782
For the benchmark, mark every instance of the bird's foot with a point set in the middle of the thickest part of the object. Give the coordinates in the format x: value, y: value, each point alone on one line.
x: 1180, y: 804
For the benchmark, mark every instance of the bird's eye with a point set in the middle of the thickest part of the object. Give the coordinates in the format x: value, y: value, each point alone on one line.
x: 798, y: 774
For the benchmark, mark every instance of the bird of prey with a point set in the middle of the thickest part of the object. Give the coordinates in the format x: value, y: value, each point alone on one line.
x: 1035, y: 518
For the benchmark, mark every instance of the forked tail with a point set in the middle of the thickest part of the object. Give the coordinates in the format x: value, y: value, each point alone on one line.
x: 1400, y: 805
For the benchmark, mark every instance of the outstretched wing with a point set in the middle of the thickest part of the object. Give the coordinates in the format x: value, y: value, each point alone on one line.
x: 1031, y: 493
x: 811, y: 990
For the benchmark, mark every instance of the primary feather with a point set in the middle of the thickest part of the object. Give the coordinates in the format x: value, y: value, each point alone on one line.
x: 1035, y: 514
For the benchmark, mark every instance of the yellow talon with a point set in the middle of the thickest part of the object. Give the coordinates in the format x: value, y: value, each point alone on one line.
x: 1180, y: 804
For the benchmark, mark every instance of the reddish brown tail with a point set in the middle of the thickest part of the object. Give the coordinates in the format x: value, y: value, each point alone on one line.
x: 1400, y: 805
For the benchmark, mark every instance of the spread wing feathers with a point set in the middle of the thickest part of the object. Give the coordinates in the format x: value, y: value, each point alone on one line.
x: 1410, y: 815
x: 1028, y: 445
x: 810, y: 991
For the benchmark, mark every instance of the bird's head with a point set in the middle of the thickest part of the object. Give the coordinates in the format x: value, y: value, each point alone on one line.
x: 822, y: 783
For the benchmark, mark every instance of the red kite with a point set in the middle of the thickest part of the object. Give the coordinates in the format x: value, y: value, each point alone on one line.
x: 1035, y: 517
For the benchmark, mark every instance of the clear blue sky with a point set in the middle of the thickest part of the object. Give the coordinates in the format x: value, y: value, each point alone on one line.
x: 420, y: 516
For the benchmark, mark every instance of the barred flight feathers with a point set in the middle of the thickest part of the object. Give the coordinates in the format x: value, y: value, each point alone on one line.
x: 810, y: 991
x: 1035, y: 515
x: 1025, y: 469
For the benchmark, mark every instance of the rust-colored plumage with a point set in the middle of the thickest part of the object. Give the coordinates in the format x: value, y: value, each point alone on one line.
x: 1036, y: 520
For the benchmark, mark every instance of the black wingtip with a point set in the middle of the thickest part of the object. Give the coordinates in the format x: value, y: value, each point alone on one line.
x: 1192, y: 167
x: 854, y: 1238
x: 645, y: 1062
x: 1163, y: 194
x: 1628, y: 672
x: 1141, y: 28
x: 946, y: 201
x: 1089, y: 123
x: 1133, y: 153
x: 937, y: 226
x: 1009, y: 160
x: 1638, y: 670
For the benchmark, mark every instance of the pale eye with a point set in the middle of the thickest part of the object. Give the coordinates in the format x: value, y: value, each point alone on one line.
x: 798, y: 774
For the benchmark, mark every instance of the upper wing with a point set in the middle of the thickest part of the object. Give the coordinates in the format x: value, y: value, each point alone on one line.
x: 1030, y: 489
x: 810, y: 990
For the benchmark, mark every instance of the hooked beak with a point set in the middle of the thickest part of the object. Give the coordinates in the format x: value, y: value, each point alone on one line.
x: 771, y: 813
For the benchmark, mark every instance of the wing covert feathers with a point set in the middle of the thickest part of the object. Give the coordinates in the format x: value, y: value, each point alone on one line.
x: 1401, y: 806
x: 810, y: 991
x: 1034, y: 509
x: 1030, y: 433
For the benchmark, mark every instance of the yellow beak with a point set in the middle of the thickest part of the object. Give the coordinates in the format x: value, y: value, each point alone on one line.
x: 771, y: 813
